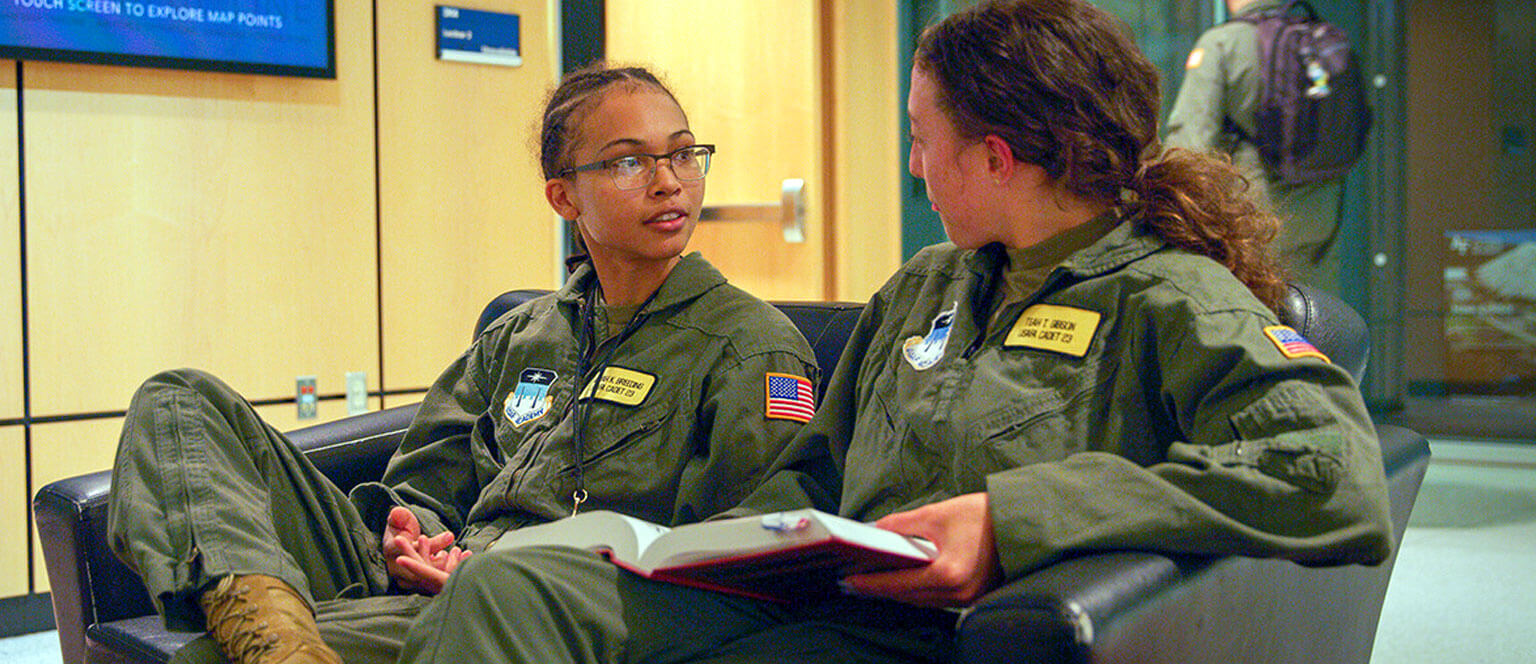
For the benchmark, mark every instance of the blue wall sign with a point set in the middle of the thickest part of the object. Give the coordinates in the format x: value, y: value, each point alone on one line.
x: 471, y: 35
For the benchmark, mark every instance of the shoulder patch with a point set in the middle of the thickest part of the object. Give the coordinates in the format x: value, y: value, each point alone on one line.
x: 788, y: 397
x: 1065, y: 330
x: 1196, y: 57
x: 530, y: 399
x: 925, y: 351
x: 1291, y: 344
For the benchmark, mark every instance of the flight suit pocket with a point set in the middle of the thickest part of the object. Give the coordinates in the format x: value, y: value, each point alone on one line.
x: 883, y: 460
x: 1030, y: 427
x: 1290, y: 435
x: 625, y: 455
x: 618, y: 437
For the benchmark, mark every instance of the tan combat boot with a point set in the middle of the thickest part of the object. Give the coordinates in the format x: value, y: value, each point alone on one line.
x: 261, y: 620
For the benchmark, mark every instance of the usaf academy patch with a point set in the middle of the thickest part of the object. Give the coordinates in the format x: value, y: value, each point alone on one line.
x: 926, y: 351
x: 530, y: 400
x: 1196, y: 57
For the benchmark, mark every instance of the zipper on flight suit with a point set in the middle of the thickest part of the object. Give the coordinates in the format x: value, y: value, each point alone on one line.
x: 589, y: 349
x: 584, y: 322
x: 983, y: 293
x: 986, y: 290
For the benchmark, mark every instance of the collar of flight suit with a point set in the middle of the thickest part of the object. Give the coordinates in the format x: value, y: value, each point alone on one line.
x: 1124, y: 244
x: 691, y: 277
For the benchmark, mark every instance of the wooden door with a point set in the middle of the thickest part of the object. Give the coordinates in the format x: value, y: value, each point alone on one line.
x: 748, y: 74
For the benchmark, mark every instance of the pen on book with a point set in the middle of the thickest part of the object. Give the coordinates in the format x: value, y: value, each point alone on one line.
x: 785, y: 523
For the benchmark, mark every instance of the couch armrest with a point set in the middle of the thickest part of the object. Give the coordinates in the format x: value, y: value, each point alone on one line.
x: 1052, y: 614
x: 355, y: 449
x: 90, y: 585
x: 1147, y: 608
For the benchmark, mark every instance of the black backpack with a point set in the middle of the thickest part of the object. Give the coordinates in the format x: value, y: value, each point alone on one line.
x: 1313, y: 119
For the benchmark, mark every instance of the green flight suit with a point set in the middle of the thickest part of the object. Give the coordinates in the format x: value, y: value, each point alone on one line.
x: 203, y: 488
x: 1141, y: 398
x: 1214, y: 111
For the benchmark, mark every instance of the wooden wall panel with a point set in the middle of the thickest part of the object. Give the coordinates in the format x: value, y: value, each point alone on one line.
x: 869, y: 157
x: 197, y: 218
x: 13, y: 511
x: 462, y: 210
x: 752, y: 85
x: 11, y: 392
x: 64, y: 450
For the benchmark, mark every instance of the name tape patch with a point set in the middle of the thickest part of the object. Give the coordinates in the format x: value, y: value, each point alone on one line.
x: 1065, y: 330
x: 625, y: 387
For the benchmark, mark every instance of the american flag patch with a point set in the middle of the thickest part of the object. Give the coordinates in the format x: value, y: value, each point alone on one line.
x: 1292, y: 344
x: 789, y: 398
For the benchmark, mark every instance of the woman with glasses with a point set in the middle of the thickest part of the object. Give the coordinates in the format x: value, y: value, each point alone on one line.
x: 641, y: 386
x: 1092, y: 363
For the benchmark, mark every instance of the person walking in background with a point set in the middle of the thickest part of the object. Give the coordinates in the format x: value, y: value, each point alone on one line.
x: 1215, y: 109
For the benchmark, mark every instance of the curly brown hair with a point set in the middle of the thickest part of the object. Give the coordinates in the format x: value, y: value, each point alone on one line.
x: 1062, y: 83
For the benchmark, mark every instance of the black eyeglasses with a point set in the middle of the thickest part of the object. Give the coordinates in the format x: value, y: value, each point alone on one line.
x: 633, y: 171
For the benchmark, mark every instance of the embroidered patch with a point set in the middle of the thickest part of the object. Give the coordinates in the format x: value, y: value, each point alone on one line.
x: 1292, y: 344
x: 1065, y: 330
x: 926, y: 351
x: 625, y: 387
x: 1196, y: 57
x: 530, y: 399
x: 789, y: 398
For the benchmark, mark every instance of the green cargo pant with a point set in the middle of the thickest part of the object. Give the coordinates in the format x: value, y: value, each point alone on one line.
x: 202, y: 488
x: 554, y: 604
x: 1308, y: 243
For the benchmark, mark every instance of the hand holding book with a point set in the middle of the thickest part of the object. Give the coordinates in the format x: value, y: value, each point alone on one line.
x: 783, y: 556
x: 965, y: 568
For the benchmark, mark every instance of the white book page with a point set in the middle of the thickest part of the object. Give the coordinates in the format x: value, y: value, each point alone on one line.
x: 625, y: 536
x: 730, y: 537
x: 876, y: 538
x: 645, y: 532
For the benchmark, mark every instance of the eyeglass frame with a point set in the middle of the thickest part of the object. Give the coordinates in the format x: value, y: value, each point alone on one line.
x: 656, y: 163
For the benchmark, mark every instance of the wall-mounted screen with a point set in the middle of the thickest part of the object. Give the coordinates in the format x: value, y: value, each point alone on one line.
x: 280, y: 37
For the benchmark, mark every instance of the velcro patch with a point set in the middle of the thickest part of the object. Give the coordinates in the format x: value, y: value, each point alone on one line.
x: 625, y: 387
x: 1196, y: 57
x: 1065, y: 330
x: 789, y: 397
x: 1292, y: 344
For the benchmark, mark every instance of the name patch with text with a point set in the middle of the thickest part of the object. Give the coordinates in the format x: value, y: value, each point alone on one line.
x: 1065, y: 330
x: 625, y: 387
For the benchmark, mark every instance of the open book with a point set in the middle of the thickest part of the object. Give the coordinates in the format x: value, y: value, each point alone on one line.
x: 783, y: 556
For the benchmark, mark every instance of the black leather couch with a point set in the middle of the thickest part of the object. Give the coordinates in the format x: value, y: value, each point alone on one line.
x: 1113, y: 607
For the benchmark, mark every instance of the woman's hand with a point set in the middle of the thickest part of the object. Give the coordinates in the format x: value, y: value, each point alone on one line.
x: 416, y: 562
x: 965, y: 568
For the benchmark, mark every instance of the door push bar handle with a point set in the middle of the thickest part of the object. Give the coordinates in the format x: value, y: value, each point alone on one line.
x: 790, y: 211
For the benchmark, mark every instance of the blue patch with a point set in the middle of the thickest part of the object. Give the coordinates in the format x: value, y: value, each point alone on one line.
x: 530, y: 400
x: 926, y: 351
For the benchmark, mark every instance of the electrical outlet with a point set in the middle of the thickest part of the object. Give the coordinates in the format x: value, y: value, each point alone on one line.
x: 307, y: 398
x: 357, y: 392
